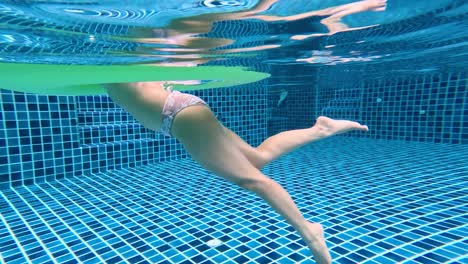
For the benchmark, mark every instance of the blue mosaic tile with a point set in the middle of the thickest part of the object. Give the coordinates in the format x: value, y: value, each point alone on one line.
x: 141, y: 214
x: 420, y: 107
x: 290, y: 106
x: 397, y: 201
x: 52, y: 137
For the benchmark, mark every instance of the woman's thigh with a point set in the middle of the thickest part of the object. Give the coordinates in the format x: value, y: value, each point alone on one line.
x: 254, y: 155
x: 206, y: 140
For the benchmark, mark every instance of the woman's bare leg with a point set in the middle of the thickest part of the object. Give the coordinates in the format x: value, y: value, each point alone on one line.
x: 205, y: 140
x: 285, y: 142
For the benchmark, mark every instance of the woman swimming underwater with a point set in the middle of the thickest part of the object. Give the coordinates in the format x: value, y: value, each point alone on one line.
x: 190, y: 120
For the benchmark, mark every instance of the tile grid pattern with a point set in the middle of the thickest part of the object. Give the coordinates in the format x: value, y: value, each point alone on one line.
x: 38, y: 138
x: 112, y: 139
x: 293, y: 112
x: 291, y: 102
x: 428, y: 109
x: 45, y: 138
x: 399, y: 201
x: 424, y: 108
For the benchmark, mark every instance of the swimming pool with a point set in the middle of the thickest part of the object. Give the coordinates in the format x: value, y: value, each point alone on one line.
x: 81, y: 181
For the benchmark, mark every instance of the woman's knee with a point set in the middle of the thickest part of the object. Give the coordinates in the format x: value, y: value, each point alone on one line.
x: 256, y: 185
x: 262, y: 158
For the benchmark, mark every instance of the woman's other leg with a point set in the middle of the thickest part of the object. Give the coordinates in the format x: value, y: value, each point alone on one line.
x: 285, y: 142
x: 205, y: 140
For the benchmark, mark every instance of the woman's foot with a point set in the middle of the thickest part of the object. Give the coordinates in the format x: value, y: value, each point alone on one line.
x: 329, y: 127
x: 315, y: 240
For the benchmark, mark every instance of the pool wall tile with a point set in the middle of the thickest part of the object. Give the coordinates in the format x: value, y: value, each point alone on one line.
x: 430, y: 107
x: 45, y: 138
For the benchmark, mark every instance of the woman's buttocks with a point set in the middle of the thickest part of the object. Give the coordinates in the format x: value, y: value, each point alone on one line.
x: 144, y: 101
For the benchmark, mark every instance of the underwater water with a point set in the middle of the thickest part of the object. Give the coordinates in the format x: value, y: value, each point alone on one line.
x: 82, y: 182
x: 274, y: 32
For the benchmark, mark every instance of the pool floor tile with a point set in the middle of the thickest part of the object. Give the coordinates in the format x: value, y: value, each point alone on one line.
x: 379, y: 202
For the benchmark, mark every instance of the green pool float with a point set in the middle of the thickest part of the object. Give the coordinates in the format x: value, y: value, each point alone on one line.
x: 51, y: 79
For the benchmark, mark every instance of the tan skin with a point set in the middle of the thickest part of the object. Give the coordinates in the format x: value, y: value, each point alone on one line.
x: 222, y: 152
x: 144, y: 101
